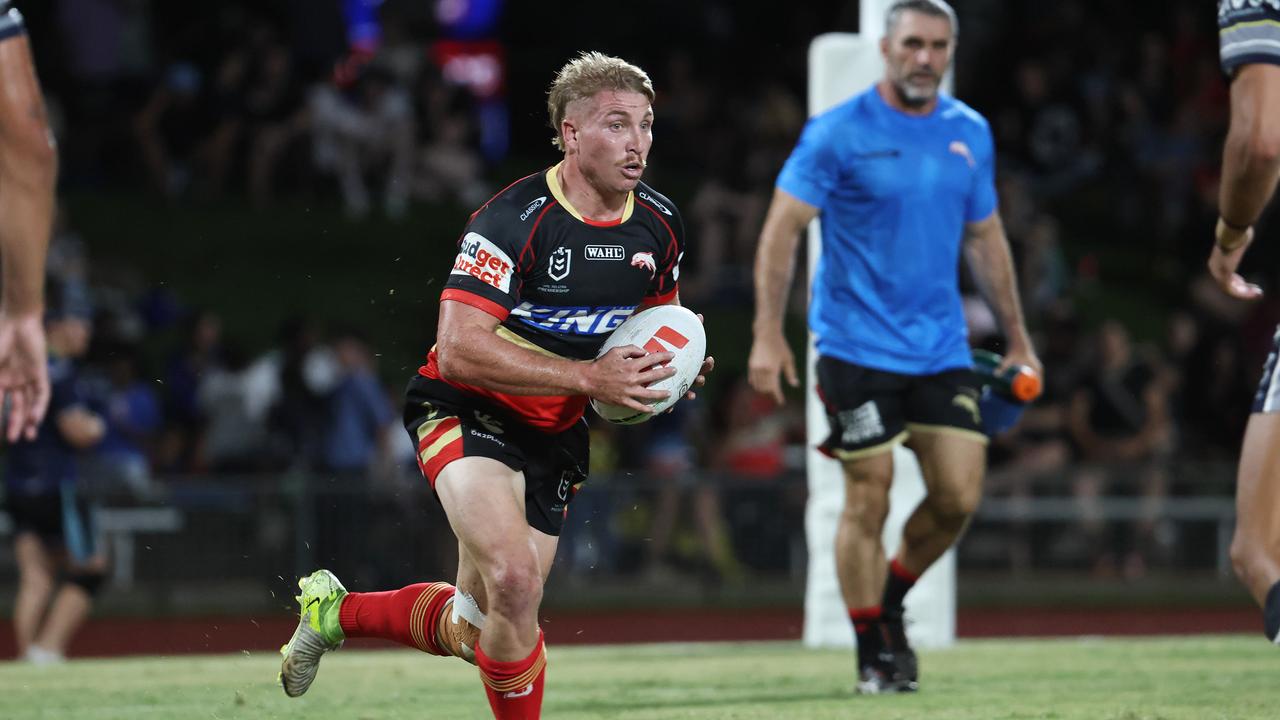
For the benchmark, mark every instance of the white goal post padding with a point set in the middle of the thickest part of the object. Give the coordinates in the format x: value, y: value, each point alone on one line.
x: 841, y: 65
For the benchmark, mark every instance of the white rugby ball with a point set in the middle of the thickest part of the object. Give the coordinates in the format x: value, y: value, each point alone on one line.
x: 664, y: 328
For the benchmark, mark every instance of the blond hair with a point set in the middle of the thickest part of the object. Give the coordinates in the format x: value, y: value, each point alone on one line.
x: 586, y: 75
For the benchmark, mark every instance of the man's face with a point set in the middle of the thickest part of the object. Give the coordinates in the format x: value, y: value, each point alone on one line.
x: 916, y: 55
x: 611, y: 132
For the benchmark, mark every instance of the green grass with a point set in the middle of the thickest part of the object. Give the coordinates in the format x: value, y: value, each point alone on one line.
x: 1201, y: 678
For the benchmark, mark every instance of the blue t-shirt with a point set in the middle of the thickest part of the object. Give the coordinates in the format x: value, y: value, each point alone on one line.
x: 895, y: 192
x: 43, y: 465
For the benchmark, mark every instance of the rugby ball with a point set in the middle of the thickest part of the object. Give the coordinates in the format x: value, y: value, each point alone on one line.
x: 664, y: 328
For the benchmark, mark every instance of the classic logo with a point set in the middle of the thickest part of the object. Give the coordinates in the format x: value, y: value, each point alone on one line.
x: 649, y: 199
x: 481, y: 259
x: 645, y: 261
x: 959, y: 148
x: 605, y: 252
x: 668, y: 335
x: 532, y: 207
x: 558, y: 266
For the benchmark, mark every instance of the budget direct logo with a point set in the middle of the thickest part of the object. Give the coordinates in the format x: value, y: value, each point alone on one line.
x: 481, y: 259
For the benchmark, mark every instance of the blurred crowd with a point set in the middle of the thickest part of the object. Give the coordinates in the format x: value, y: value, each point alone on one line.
x: 1108, y: 121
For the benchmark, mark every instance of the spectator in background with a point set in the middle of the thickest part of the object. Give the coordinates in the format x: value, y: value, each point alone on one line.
x: 132, y: 412
x: 178, y: 130
x: 357, y: 430
x: 200, y: 354
x: 231, y: 398
x: 371, y: 125
x: 671, y: 463
x: 55, y: 534
x: 1119, y: 420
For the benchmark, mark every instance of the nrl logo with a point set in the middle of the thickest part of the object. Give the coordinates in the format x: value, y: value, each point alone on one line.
x: 558, y: 267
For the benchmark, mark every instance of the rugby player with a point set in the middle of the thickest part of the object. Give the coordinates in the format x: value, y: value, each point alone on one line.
x: 545, y: 271
x: 903, y: 178
x: 1249, y: 43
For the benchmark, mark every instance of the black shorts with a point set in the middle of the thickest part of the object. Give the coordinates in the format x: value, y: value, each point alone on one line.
x: 1267, y: 399
x: 871, y: 410
x: 1248, y: 33
x: 61, y: 519
x: 447, y: 423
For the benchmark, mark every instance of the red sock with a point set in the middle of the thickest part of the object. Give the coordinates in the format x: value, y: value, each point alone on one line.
x: 408, y: 616
x: 515, y: 688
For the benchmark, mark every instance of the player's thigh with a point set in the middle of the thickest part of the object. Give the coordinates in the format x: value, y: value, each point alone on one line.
x: 945, y: 426
x: 484, y: 501
x: 1258, y: 479
x: 864, y: 407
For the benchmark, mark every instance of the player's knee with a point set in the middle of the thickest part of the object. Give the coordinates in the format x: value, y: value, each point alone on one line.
x: 954, y: 507
x: 866, y: 513
x: 514, y: 588
x: 34, y: 155
x: 90, y: 582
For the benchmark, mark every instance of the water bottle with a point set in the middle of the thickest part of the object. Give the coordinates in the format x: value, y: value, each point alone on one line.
x: 1017, y: 382
x: 1004, y: 394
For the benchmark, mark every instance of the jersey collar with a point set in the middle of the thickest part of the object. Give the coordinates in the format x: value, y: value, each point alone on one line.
x: 553, y: 182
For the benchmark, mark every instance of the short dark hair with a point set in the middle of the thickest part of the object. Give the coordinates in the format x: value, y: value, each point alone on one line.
x: 936, y: 8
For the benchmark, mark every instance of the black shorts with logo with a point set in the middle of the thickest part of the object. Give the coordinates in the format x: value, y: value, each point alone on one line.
x: 872, y: 410
x: 447, y: 424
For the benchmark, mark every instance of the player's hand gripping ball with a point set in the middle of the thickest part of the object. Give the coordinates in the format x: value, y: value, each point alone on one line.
x: 665, y: 328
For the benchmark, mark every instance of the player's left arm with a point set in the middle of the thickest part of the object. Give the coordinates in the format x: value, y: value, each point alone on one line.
x: 665, y: 288
x: 987, y: 252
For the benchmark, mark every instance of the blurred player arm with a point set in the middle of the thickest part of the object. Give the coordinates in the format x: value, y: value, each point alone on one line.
x: 81, y: 428
x: 1251, y: 154
x: 1250, y: 163
x: 469, y: 350
x: 28, y: 171
x: 786, y: 219
x: 991, y: 264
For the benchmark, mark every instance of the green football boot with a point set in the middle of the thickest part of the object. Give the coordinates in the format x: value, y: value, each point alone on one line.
x: 318, y: 631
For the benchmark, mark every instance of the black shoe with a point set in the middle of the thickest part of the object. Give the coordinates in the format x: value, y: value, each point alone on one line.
x: 886, y: 676
x: 904, y: 658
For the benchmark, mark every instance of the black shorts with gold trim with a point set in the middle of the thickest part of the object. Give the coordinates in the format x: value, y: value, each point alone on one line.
x: 447, y: 424
x: 872, y: 410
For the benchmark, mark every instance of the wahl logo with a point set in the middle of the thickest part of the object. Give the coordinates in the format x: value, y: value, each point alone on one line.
x: 605, y: 252
x: 644, y: 260
x: 533, y: 206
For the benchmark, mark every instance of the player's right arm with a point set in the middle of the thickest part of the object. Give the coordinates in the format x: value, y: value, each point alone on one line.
x: 771, y: 356
x: 28, y: 172
x: 1250, y: 166
x: 469, y: 350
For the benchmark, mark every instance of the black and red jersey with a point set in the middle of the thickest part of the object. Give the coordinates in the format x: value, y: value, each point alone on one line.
x: 560, y: 282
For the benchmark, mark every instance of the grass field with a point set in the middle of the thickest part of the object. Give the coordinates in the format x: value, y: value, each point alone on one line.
x: 1167, y: 678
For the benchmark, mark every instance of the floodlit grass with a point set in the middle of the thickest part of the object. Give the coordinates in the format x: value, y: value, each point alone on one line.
x: 1200, y: 678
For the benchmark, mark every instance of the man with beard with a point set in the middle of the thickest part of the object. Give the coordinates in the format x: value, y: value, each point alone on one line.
x: 903, y: 178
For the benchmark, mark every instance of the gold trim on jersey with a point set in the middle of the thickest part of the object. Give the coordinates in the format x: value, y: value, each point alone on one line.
x: 553, y: 182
